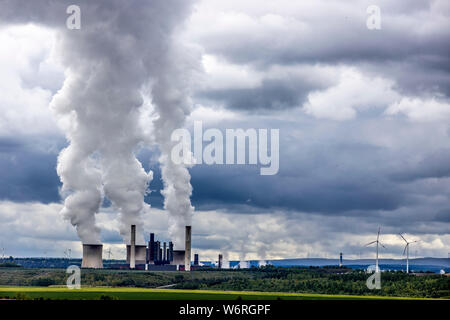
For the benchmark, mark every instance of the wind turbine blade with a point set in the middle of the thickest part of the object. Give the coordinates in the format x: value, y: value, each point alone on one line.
x: 403, y: 237
x: 405, y: 250
x: 415, y: 241
x: 381, y: 244
x: 369, y: 243
x: 378, y: 235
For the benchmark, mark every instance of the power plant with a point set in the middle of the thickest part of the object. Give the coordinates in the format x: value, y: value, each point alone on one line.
x: 154, y: 256
x: 157, y: 255
x: 162, y: 256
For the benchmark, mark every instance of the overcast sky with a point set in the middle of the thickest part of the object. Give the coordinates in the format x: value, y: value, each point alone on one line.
x: 363, y: 118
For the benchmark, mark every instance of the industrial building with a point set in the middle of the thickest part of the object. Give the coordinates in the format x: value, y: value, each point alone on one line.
x: 156, y: 255
x: 159, y: 255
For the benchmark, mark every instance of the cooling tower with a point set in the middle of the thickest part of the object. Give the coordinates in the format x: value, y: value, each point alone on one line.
x: 187, y: 248
x: 92, y: 256
x: 133, y: 247
x: 139, y: 254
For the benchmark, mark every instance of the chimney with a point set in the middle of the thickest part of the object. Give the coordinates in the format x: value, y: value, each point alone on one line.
x: 196, y: 259
x: 133, y: 247
x: 220, y: 261
x: 164, y: 252
x: 340, y: 260
x: 187, y: 248
x: 151, y: 249
x: 170, y: 252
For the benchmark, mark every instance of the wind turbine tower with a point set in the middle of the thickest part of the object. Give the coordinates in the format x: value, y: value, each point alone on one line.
x: 377, y: 269
x: 407, y: 251
x: 109, y: 253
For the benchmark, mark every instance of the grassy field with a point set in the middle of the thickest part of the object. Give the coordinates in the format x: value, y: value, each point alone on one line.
x: 264, y: 283
x: 165, y: 294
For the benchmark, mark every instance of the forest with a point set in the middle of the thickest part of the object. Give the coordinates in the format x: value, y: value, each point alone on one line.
x: 331, y: 280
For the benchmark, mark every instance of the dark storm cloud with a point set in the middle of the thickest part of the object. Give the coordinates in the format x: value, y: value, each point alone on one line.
x: 341, y: 184
x: 27, y: 172
x: 443, y: 216
x: 338, y: 170
x: 8, y: 145
x: 271, y: 94
x: 149, y: 160
x: 338, y: 187
x: 435, y: 165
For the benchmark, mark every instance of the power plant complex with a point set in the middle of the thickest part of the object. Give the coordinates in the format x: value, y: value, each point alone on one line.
x: 155, y: 255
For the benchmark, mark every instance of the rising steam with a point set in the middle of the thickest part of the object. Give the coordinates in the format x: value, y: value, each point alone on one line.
x: 173, y: 107
x: 122, y: 47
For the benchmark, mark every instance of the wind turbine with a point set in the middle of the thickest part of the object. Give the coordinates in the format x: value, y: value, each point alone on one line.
x: 109, y: 253
x: 407, y: 251
x: 377, y: 269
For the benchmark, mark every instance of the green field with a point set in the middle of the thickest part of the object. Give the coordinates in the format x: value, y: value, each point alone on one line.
x: 165, y: 294
x: 262, y: 283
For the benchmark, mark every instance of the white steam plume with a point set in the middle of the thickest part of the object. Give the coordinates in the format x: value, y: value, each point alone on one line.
x: 172, y: 106
x: 121, y: 47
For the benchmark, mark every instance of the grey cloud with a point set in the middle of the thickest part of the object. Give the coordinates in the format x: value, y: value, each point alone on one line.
x: 341, y: 180
x: 412, y: 48
x: 433, y: 165
x: 443, y: 216
x: 271, y: 94
x: 28, y: 170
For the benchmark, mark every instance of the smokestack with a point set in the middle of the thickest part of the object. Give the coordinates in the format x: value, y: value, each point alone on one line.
x: 170, y: 251
x: 133, y: 247
x: 164, y: 252
x: 340, y: 260
x: 92, y: 256
x: 151, y: 249
x: 196, y: 259
x: 187, y: 248
x: 220, y: 261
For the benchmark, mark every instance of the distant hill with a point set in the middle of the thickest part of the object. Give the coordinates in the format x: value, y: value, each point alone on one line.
x: 317, y: 262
